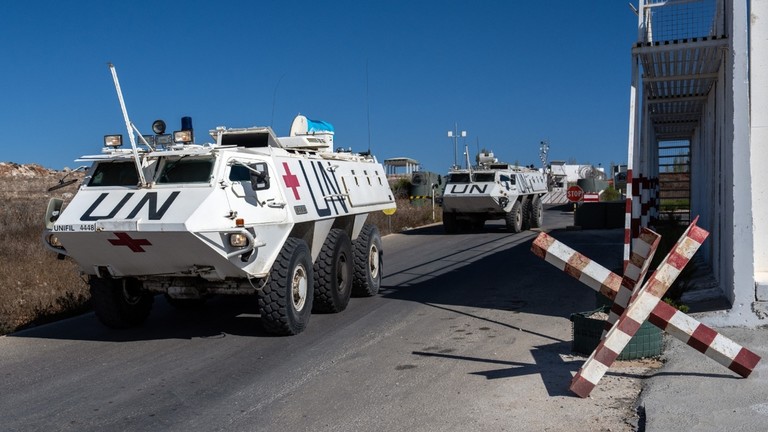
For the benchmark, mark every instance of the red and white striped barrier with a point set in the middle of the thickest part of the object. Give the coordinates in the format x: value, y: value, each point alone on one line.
x: 638, y: 311
x: 643, y: 249
x: 704, y: 339
x: 628, y: 213
x: 577, y: 265
x: 641, y: 207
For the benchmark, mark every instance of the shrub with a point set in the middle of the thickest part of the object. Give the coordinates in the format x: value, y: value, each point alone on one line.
x: 35, y: 286
x: 610, y: 194
x: 407, y: 216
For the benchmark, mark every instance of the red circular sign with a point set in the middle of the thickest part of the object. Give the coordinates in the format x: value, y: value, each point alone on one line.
x: 575, y: 194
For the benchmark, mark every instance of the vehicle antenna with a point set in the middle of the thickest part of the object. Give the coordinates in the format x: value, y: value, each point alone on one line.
x: 367, y: 106
x: 274, y: 98
x: 128, y: 125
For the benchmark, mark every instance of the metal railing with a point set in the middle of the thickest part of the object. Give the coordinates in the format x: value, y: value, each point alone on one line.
x: 672, y: 20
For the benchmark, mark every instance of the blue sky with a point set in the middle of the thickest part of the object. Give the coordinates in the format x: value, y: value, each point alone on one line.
x: 509, y: 73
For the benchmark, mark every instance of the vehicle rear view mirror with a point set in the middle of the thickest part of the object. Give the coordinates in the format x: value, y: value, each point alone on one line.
x: 259, y: 176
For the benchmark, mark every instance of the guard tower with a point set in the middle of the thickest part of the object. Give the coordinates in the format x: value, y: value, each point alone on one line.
x: 698, y: 139
x: 401, y: 167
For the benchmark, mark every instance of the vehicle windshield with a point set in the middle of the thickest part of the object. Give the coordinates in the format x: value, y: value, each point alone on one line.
x: 485, y: 177
x: 115, y: 174
x: 459, y: 178
x: 186, y: 170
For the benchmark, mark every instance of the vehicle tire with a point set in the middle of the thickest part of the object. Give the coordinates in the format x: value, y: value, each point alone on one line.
x: 368, y: 262
x: 449, y: 223
x: 527, y: 212
x: 285, y: 302
x: 537, y: 213
x: 120, y: 303
x: 514, y: 218
x: 333, y: 273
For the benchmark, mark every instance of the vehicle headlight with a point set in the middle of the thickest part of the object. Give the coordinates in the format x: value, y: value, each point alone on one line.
x: 238, y: 240
x: 164, y: 140
x: 54, y: 241
x: 113, y: 141
x: 183, y: 136
x: 150, y: 140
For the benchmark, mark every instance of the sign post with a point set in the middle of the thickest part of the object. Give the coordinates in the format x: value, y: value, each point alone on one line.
x: 574, y: 194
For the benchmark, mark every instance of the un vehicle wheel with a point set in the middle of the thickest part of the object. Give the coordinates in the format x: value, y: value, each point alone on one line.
x: 514, y: 218
x: 449, y: 223
x: 368, y: 262
x: 285, y: 301
x: 120, y: 303
x: 333, y: 273
x: 527, y: 213
x: 537, y: 213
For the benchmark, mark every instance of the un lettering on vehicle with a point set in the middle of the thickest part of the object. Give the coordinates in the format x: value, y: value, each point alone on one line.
x: 468, y: 189
x: 156, y: 210
x: 318, y: 179
x: 74, y: 227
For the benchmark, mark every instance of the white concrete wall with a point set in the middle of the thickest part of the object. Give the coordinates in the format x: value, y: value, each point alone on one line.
x: 759, y: 141
x: 733, y: 241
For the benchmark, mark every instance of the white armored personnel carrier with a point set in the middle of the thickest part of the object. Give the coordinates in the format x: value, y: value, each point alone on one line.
x: 493, y: 190
x: 251, y: 213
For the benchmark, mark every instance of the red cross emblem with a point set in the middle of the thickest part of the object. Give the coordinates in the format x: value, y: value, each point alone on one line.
x: 135, y: 245
x: 291, y: 181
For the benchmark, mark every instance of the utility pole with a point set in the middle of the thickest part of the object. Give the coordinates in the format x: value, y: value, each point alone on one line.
x: 455, y: 135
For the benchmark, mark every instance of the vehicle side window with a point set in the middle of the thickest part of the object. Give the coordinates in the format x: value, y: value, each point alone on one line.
x: 239, y: 173
x: 115, y: 174
x: 484, y: 177
x: 186, y: 171
x: 459, y: 178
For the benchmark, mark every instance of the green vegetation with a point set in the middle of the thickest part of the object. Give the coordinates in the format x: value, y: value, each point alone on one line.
x: 674, y: 204
x: 610, y: 194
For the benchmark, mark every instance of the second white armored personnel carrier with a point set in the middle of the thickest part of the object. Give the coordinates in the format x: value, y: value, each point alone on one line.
x: 493, y: 190
x: 251, y: 213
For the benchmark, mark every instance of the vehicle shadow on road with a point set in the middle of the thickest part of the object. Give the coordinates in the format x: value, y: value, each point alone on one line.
x: 225, y: 315
x: 497, y: 272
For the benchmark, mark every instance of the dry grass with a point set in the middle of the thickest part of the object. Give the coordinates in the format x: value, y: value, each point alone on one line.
x: 36, y: 287
x: 407, y: 216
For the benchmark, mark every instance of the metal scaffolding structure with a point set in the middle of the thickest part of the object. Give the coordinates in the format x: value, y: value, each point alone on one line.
x: 676, y: 63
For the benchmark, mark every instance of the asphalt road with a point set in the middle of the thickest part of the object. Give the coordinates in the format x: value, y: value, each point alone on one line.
x: 470, y: 332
